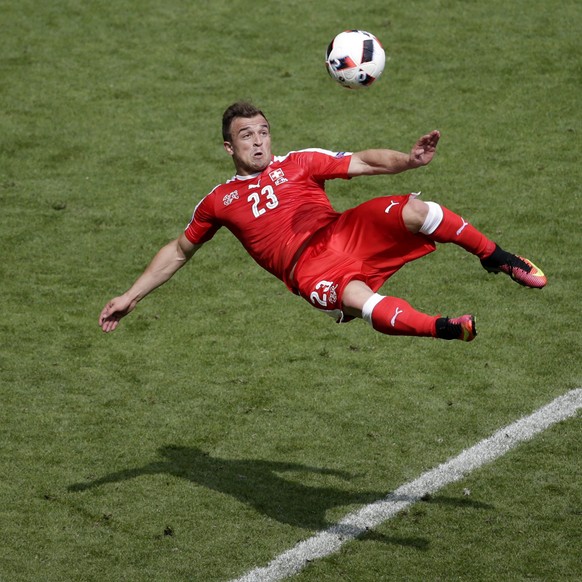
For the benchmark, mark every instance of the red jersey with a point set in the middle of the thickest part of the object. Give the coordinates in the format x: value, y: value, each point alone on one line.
x: 274, y: 212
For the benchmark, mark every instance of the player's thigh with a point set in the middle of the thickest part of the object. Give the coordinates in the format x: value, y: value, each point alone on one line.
x: 376, y: 228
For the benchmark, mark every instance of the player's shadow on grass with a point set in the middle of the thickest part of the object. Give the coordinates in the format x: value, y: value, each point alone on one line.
x: 260, y: 485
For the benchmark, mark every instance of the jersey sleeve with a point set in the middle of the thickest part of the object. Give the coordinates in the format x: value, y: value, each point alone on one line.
x: 203, y: 224
x: 324, y: 164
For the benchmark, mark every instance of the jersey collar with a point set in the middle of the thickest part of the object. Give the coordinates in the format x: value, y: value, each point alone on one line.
x: 253, y: 176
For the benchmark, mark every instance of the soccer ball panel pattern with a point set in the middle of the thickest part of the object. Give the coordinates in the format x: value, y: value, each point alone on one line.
x: 355, y: 59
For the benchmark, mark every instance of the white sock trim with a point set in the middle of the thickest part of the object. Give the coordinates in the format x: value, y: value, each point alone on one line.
x: 433, y: 218
x: 368, y: 307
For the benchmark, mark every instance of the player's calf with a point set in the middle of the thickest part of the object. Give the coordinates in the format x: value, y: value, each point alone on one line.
x: 395, y: 316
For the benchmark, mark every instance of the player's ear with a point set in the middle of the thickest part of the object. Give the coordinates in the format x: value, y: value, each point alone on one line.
x: 228, y: 148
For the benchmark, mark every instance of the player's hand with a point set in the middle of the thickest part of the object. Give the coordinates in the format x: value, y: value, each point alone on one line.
x: 424, y: 149
x: 114, y: 311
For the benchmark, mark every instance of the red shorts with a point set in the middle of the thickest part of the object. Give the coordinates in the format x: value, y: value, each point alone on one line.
x: 368, y: 243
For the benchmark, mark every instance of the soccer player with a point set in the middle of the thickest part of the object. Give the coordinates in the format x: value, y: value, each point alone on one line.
x: 278, y: 209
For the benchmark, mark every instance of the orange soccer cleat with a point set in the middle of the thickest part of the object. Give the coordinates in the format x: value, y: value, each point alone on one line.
x: 520, y: 269
x: 459, y: 328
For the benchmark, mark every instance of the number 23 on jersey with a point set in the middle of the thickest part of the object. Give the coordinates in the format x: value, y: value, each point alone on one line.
x: 266, y: 200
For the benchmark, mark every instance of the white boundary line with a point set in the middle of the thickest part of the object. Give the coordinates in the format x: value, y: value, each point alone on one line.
x: 359, y: 522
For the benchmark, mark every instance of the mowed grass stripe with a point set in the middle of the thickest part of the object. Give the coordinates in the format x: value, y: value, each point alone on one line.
x: 370, y: 516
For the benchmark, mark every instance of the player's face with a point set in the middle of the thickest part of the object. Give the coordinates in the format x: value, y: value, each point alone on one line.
x: 250, y: 145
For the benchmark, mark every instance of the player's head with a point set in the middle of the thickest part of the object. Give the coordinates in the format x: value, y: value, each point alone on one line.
x: 247, y: 138
x: 238, y: 109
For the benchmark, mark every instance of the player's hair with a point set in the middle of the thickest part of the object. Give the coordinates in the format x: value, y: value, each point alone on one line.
x: 238, y: 109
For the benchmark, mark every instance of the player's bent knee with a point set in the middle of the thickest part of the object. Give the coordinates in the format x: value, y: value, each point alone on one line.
x: 414, y: 214
x: 355, y: 296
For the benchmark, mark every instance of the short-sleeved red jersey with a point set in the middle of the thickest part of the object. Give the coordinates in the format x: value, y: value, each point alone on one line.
x: 274, y: 212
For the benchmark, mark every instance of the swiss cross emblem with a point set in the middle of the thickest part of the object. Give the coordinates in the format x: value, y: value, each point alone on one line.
x: 277, y: 176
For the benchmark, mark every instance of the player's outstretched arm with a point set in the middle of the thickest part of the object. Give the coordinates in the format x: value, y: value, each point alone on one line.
x: 167, y: 261
x: 385, y: 161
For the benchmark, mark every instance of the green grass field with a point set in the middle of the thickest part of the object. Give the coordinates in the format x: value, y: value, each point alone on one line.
x: 226, y: 420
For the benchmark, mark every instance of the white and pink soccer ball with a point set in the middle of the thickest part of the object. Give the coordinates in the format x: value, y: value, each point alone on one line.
x: 355, y: 59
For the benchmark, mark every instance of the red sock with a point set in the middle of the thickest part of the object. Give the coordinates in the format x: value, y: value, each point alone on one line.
x: 454, y: 229
x: 394, y: 316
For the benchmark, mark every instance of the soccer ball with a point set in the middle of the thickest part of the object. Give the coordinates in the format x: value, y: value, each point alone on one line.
x: 355, y: 59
